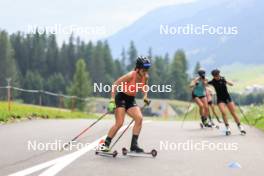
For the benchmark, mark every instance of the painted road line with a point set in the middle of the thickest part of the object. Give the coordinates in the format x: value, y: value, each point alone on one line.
x: 56, y: 165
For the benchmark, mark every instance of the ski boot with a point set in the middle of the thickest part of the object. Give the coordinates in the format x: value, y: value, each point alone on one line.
x: 228, y: 131
x: 104, y: 150
x: 136, y: 149
x: 205, y: 123
x: 242, y: 130
x: 134, y: 145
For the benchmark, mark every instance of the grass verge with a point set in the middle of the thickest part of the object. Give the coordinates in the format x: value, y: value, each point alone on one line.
x: 21, y: 111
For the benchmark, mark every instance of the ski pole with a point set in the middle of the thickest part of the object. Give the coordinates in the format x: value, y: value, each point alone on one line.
x: 241, y: 111
x: 146, y: 104
x: 121, y: 134
x: 186, y: 113
x: 83, y: 131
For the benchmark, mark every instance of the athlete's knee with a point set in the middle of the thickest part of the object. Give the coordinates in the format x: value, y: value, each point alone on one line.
x: 139, y: 120
x: 201, y: 106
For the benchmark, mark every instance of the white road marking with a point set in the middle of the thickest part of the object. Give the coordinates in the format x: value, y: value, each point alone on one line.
x: 56, y: 165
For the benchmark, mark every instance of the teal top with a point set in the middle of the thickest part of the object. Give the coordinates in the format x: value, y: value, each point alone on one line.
x: 199, y: 89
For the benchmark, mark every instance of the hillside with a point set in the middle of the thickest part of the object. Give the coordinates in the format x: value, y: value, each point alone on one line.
x: 211, y: 50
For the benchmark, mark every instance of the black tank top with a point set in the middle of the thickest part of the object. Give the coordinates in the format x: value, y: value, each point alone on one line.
x: 220, y: 88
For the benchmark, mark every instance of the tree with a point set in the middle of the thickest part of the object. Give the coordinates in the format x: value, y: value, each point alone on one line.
x: 123, y: 59
x: 81, y: 85
x: 150, y: 53
x: 52, y: 56
x: 179, y: 76
x: 98, y: 64
x: 32, y: 81
x: 56, y: 84
x: 196, y: 68
x: 109, y: 64
x: 8, y: 66
x: 132, y: 56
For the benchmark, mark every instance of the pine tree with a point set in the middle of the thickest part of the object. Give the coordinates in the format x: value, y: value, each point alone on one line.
x: 52, y: 56
x: 123, y: 59
x: 81, y: 85
x: 32, y: 81
x: 179, y: 76
x: 7, y: 62
x: 196, y: 68
x: 132, y: 56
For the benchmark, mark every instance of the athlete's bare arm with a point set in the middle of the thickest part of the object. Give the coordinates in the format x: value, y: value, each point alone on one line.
x: 193, y: 83
x: 145, y: 92
x: 229, y: 83
x: 125, y: 78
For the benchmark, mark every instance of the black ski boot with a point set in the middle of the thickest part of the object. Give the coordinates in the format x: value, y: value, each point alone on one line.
x: 205, y: 122
x: 136, y: 149
x: 134, y: 145
x: 105, y: 146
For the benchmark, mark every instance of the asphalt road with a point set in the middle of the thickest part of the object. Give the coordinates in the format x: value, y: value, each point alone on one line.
x: 179, y: 149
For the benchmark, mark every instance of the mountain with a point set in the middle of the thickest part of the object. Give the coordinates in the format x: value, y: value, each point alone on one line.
x: 241, y: 19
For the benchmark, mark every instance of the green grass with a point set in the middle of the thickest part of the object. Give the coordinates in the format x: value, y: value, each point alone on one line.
x: 243, y: 75
x: 255, y: 116
x: 20, y: 111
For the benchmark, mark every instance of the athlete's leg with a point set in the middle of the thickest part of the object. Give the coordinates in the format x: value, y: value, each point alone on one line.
x: 231, y: 107
x: 136, y: 114
x: 200, y: 105
x: 223, y: 112
x: 120, y: 113
x: 205, y: 106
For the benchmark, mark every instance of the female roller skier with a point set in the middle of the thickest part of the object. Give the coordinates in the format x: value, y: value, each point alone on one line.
x: 199, y: 96
x: 124, y: 102
x: 224, y: 100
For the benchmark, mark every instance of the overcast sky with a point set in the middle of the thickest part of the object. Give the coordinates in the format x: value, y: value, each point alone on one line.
x: 107, y: 16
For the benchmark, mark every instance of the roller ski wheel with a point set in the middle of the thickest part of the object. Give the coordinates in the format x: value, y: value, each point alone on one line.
x: 152, y: 153
x: 205, y: 126
x: 105, y: 153
x: 215, y: 126
x: 243, y: 132
x: 228, y: 133
x: 124, y: 151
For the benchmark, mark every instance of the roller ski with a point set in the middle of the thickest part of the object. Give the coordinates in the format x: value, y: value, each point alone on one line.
x: 104, y: 150
x: 204, y: 123
x: 228, y: 131
x: 242, y: 130
x: 215, y: 126
x: 135, y: 150
x: 212, y: 123
x: 139, y: 153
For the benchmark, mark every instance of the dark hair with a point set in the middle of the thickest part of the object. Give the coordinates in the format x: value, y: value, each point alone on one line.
x: 215, y: 72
